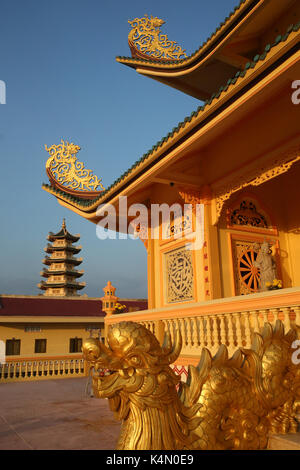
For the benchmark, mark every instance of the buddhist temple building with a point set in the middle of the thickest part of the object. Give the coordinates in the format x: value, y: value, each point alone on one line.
x: 235, y: 161
x: 42, y: 336
x: 61, y: 275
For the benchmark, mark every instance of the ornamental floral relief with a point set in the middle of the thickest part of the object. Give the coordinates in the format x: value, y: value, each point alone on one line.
x: 179, y: 275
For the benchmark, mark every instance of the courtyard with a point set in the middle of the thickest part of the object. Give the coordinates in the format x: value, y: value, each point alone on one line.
x: 55, y: 415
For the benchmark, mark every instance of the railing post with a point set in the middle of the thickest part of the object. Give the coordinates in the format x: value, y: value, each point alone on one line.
x: 202, y: 337
x: 286, y: 321
x: 297, y: 312
x: 231, y: 345
x: 247, y: 330
x: 215, y: 333
x: 238, y: 330
x: 223, y: 330
x: 256, y: 327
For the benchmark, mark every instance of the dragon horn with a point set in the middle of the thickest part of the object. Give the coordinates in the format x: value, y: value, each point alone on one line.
x: 174, y: 353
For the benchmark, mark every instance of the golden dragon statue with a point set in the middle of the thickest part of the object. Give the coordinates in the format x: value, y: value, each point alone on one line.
x: 226, y: 403
x: 145, y: 39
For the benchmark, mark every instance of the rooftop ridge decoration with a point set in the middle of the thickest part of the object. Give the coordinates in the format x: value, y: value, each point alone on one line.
x: 145, y: 39
x: 139, y: 59
x: 187, y: 123
x: 67, y: 173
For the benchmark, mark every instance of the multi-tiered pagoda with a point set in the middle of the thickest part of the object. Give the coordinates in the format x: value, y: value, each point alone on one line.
x: 61, y: 275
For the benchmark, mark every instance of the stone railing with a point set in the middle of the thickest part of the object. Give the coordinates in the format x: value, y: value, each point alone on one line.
x: 223, y: 321
x: 24, y: 369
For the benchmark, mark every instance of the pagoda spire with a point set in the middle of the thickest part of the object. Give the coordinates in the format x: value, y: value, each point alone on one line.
x: 60, y: 272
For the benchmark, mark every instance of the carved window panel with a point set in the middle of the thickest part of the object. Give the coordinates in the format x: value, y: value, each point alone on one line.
x: 179, y: 275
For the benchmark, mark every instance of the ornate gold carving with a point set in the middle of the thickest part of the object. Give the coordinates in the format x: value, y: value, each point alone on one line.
x: 63, y: 167
x: 196, y: 197
x: 246, y: 214
x: 179, y: 275
x: 226, y: 403
x: 146, y: 39
x: 178, y: 227
x: 265, y: 174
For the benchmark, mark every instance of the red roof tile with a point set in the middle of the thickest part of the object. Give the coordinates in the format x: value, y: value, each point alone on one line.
x: 46, y: 306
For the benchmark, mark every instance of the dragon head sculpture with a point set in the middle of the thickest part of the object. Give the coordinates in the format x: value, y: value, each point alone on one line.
x: 141, y: 386
x: 226, y: 403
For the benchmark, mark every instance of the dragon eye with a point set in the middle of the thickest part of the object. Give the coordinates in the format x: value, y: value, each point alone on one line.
x: 136, y: 360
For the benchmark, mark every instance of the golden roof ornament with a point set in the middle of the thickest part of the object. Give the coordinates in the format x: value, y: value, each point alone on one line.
x: 145, y: 39
x: 68, y: 174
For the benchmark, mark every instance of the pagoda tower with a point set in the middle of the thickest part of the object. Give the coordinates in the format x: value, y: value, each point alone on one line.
x: 60, y: 273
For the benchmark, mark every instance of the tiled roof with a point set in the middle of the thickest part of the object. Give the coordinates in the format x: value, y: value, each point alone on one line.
x: 203, y: 48
x: 47, y: 306
x: 90, y: 204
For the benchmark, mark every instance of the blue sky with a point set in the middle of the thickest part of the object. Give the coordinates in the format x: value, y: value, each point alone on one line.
x: 58, y: 63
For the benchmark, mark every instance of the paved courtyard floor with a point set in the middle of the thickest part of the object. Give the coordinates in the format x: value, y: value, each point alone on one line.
x: 55, y: 415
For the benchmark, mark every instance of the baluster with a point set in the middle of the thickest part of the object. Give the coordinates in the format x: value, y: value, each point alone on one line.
x: 43, y: 369
x: 223, y: 330
x: 256, y: 327
x: 26, y: 370
x: 265, y: 315
x: 247, y: 330
x: 275, y: 312
x: 202, y: 336
x: 215, y: 333
x: 238, y: 330
x: 180, y: 325
x: 189, y: 332
x: 297, y: 312
x: 15, y: 368
x: 196, y: 326
x: 286, y: 320
x: 231, y: 345
x: 208, y: 333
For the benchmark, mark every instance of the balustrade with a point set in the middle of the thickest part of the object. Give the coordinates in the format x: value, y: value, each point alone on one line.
x: 213, y: 329
x: 23, y: 369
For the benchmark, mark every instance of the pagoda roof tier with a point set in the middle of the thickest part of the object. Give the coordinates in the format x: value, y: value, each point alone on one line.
x: 48, y: 273
x: 45, y: 285
x: 197, y: 132
x: 63, y: 234
x: 219, y: 58
x: 48, y: 261
x: 73, y: 249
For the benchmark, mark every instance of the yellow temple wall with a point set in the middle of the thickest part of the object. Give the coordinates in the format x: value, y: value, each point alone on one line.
x: 277, y: 198
x: 57, y: 335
